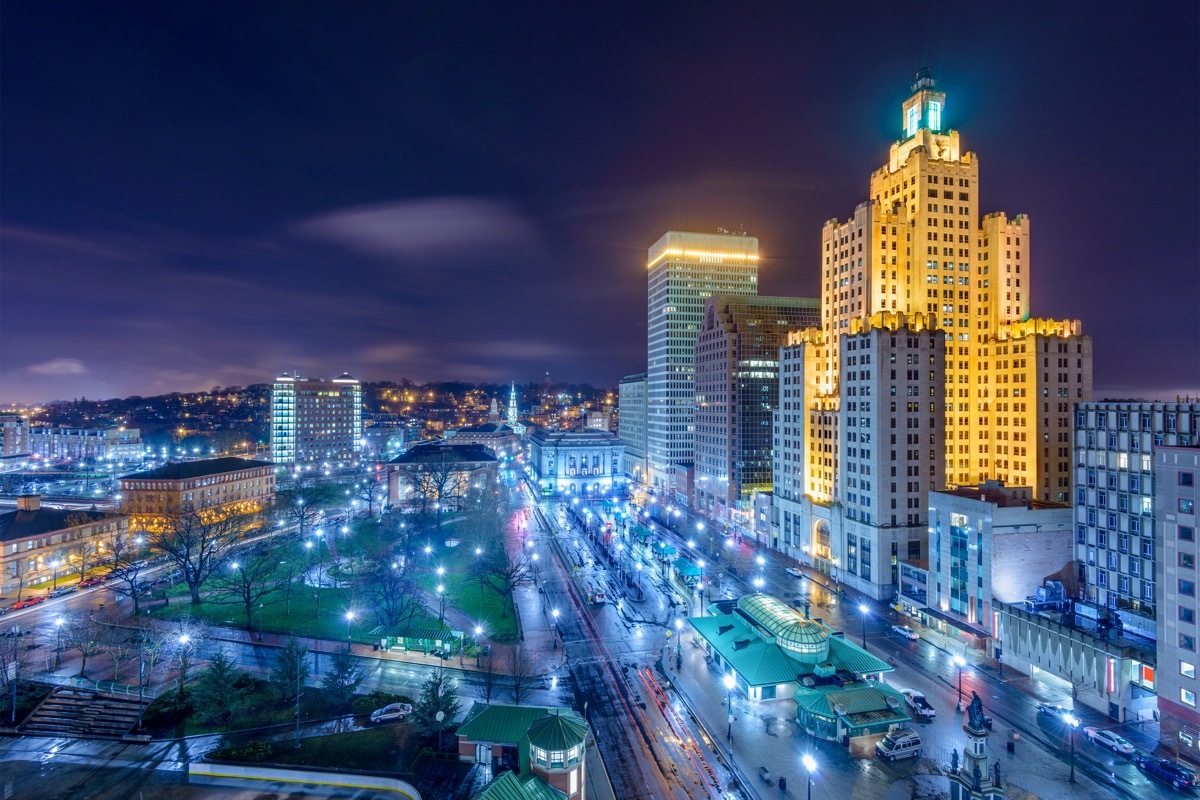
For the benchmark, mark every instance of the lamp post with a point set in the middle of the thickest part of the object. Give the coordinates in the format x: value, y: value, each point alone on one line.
x: 260, y: 616
x: 478, y: 631
x: 56, y: 563
x: 349, y: 622
x: 810, y: 764
x: 729, y: 683
x: 184, y: 657
x: 441, y: 590
x: 1072, y: 722
x: 58, y: 623
x: 863, y: 610
x: 554, y: 614
x: 700, y: 564
x: 960, y: 662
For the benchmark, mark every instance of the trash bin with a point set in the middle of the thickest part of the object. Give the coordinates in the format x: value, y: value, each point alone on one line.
x: 1012, y: 746
x: 783, y: 784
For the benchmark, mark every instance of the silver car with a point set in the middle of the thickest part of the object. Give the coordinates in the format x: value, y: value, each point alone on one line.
x: 393, y: 712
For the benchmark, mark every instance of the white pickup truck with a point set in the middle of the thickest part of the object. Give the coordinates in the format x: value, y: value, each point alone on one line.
x: 917, y: 702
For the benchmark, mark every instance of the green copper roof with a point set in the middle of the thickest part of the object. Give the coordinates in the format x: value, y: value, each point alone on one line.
x: 757, y: 661
x: 849, y: 656
x: 558, y: 732
x: 501, y: 723
x: 511, y: 787
x: 805, y: 639
x: 859, y: 704
x: 686, y: 568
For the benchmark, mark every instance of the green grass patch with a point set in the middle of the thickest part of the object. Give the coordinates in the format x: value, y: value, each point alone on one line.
x: 386, y: 749
x: 462, y: 582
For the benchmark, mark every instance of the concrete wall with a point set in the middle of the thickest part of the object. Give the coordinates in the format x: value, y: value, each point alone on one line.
x: 277, y: 775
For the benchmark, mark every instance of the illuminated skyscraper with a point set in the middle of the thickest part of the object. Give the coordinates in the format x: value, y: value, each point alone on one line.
x: 913, y: 258
x: 316, y: 422
x: 684, y: 270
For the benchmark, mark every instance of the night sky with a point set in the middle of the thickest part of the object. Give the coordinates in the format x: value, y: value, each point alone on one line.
x: 199, y: 194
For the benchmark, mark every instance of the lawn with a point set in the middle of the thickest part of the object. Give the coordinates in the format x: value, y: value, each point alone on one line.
x: 387, y: 749
x: 462, y: 582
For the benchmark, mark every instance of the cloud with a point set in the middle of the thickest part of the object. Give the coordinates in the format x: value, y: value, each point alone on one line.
x: 59, y: 366
x: 423, y: 229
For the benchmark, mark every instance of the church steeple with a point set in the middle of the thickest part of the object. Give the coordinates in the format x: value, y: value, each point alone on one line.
x: 925, y: 107
x: 512, y: 406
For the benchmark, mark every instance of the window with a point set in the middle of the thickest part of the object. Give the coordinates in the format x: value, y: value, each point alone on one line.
x: 1187, y: 669
x: 1187, y: 642
x: 1187, y: 506
x: 1187, y: 614
x: 1187, y: 696
x: 1187, y: 588
x: 1186, y: 479
x: 1187, y: 561
x: 1186, y: 533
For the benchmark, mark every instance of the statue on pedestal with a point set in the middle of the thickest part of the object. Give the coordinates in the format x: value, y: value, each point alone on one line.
x: 954, y: 760
x: 975, y: 713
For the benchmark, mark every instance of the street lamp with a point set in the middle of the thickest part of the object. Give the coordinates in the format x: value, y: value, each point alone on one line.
x: 441, y: 590
x: 700, y: 564
x: 864, y: 610
x: 678, y: 643
x: 58, y: 623
x: 478, y: 631
x: 260, y: 616
x: 557, y: 633
x: 810, y: 764
x: 56, y: 564
x: 960, y: 662
x: 1072, y: 722
x: 729, y: 683
x: 349, y: 622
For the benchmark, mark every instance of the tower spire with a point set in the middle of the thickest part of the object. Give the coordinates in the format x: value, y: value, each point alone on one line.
x: 512, y: 406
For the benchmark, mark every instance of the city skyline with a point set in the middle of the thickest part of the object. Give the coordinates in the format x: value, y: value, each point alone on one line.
x: 213, y: 205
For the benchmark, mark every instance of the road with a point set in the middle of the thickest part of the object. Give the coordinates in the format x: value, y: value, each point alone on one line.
x: 928, y: 667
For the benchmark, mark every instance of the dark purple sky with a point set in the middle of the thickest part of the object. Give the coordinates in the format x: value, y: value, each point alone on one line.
x: 204, y: 193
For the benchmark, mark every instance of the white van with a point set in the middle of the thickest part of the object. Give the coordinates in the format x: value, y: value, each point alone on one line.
x: 900, y: 743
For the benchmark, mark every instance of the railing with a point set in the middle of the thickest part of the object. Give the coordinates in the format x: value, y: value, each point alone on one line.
x: 107, y: 687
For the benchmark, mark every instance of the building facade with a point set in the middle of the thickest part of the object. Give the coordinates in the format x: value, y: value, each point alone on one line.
x: 438, y: 476
x: 315, y: 422
x: 116, y: 445
x: 631, y: 425
x: 916, y: 255
x: 987, y: 543
x: 737, y: 388
x: 684, y: 270
x: 219, y: 487
x: 578, y: 462
x: 38, y: 544
x: 853, y: 470
x: 14, y: 442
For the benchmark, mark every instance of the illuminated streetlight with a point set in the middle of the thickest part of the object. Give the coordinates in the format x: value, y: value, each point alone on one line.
x: 58, y: 623
x: 864, y: 611
x: 1072, y: 722
x: 729, y: 684
x: 810, y: 764
x: 349, y: 622
x: 960, y: 662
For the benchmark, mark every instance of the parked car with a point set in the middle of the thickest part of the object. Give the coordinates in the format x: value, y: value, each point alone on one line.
x: 905, y: 631
x: 795, y: 572
x: 900, y: 743
x: 60, y: 591
x: 1166, y: 771
x: 29, y: 601
x: 1108, y: 739
x: 917, y: 702
x: 395, y: 711
x: 95, y: 580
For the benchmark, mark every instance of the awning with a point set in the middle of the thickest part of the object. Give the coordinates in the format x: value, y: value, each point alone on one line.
x: 954, y: 621
x: 686, y: 568
x: 424, y: 634
x: 666, y: 550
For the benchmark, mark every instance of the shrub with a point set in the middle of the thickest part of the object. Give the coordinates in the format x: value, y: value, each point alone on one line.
x: 169, y: 708
x: 253, y: 751
x: 377, y: 699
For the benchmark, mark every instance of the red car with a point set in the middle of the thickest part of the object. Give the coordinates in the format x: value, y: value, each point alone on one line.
x: 93, y: 581
x: 26, y: 603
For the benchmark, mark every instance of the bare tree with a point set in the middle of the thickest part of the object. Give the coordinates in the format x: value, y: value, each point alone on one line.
x: 251, y: 579
x: 393, y: 591
x: 198, y: 543
x: 505, y: 576
x: 302, y: 503
x: 438, y: 482
x: 81, y: 554
x: 125, y: 549
x: 24, y: 578
x: 14, y: 665
x: 489, y: 677
x: 484, y: 510
x: 520, y: 674
x: 86, y: 635
x: 370, y: 490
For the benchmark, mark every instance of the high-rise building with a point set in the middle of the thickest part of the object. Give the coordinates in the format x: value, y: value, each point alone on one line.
x: 684, y: 270
x: 14, y: 442
x: 737, y: 388
x: 316, y: 422
x: 1176, y: 470
x: 915, y: 257
x: 631, y: 426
